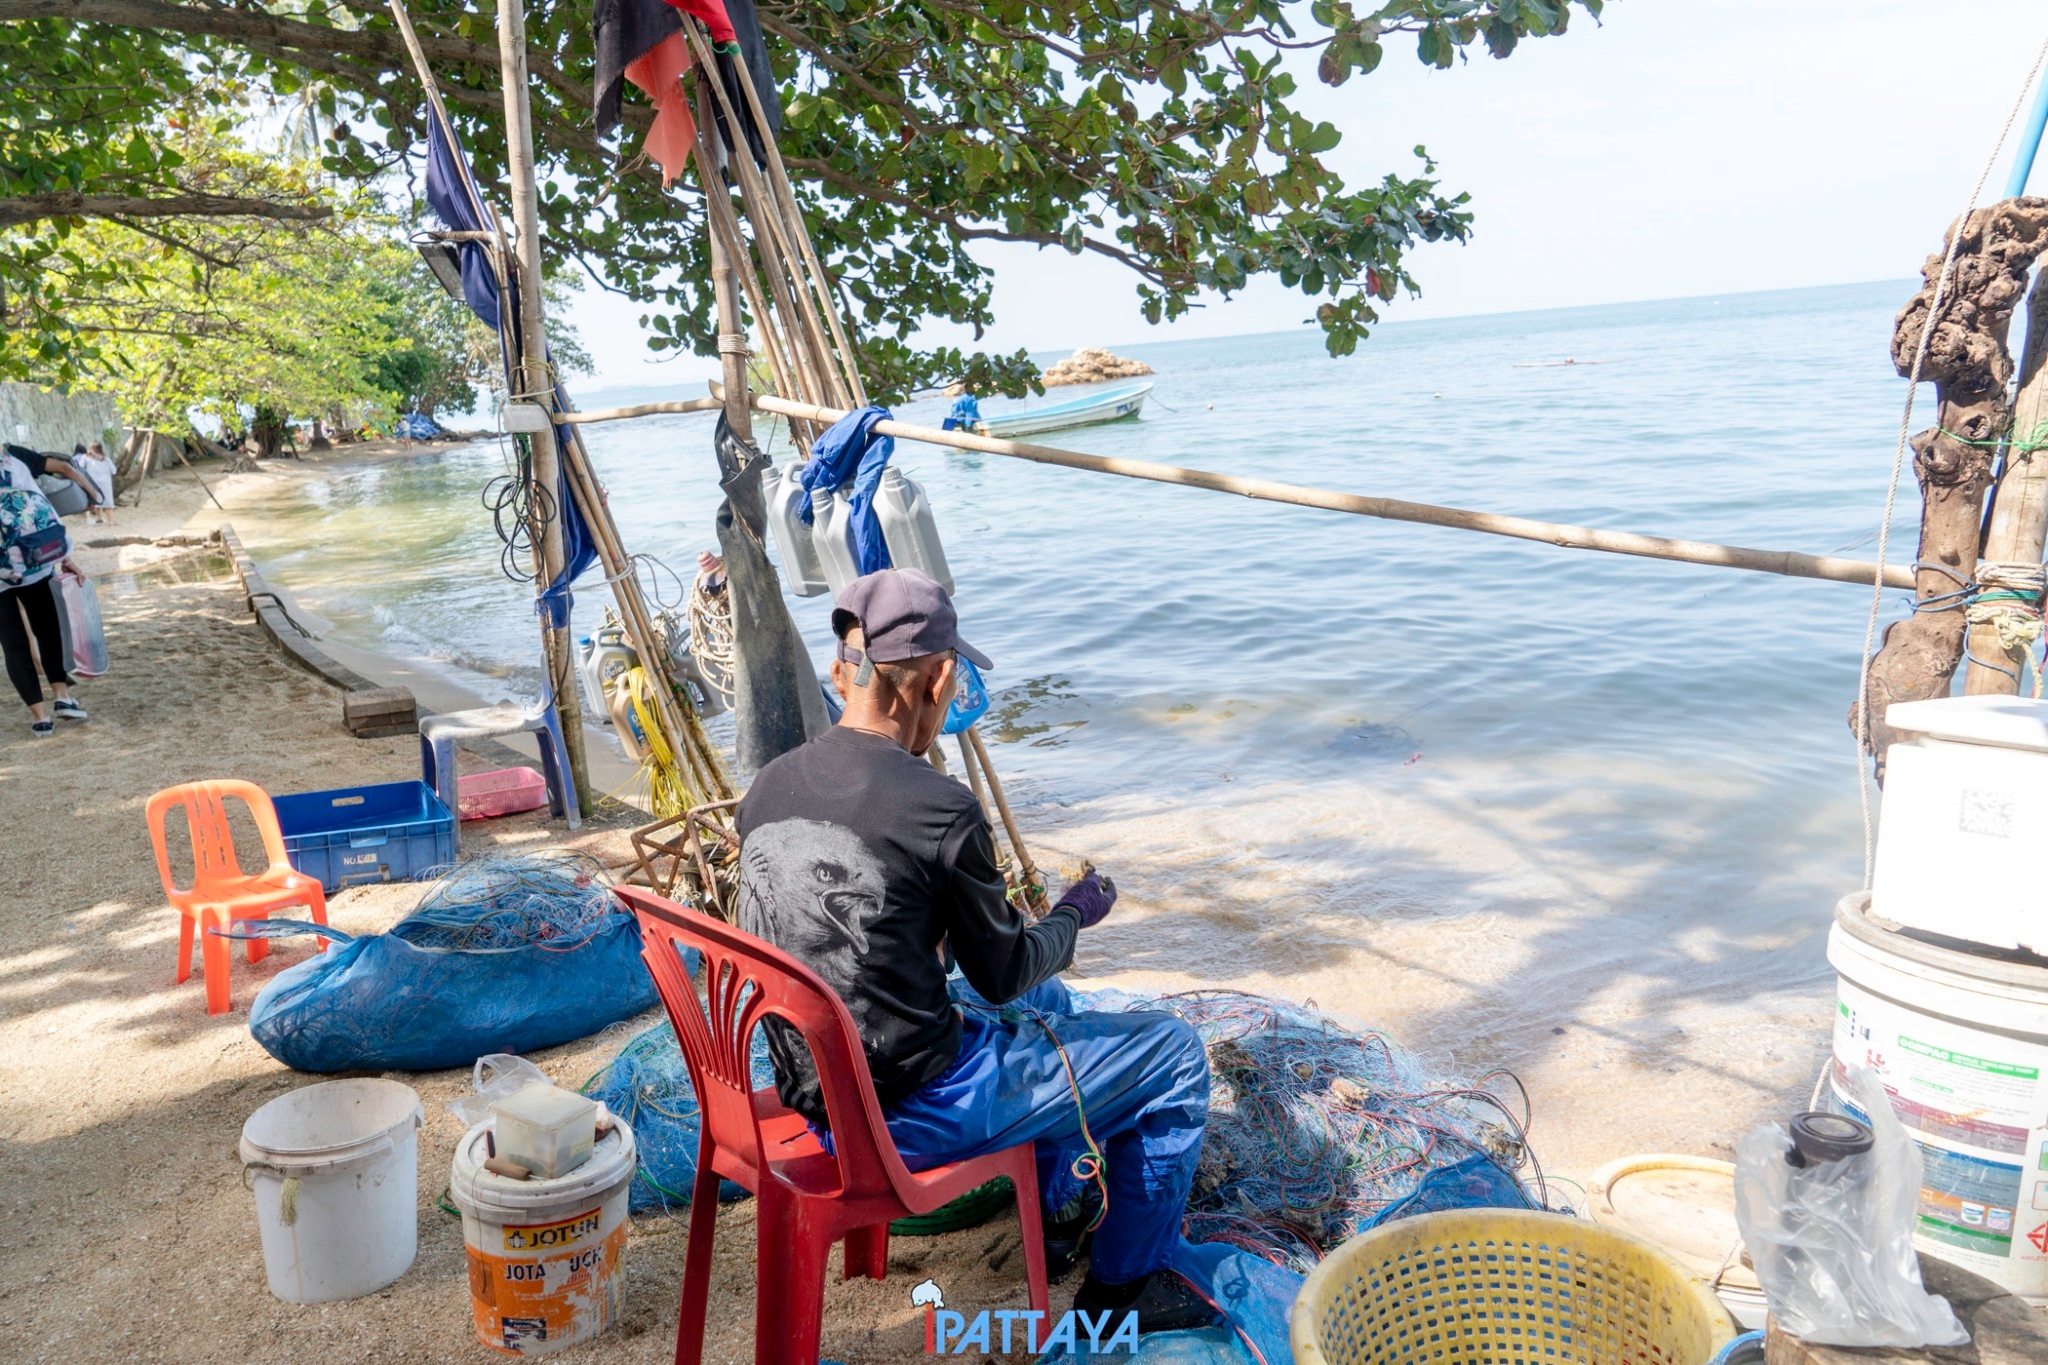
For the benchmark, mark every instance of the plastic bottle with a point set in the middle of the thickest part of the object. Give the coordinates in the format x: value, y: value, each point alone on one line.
x: 603, y: 660
x: 832, y: 537
x: 783, y: 491
x: 908, y: 528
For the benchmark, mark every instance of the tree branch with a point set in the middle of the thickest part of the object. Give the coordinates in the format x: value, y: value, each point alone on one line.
x: 29, y: 208
x: 826, y: 173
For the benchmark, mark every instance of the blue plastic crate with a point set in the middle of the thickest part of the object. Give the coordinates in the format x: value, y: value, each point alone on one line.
x: 391, y: 832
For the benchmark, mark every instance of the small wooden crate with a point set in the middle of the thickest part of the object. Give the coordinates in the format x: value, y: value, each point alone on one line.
x: 376, y: 712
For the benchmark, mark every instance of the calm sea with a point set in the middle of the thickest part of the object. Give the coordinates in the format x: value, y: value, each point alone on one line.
x: 1336, y: 717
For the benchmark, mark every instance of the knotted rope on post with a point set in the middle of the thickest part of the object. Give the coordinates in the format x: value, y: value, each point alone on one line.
x: 2008, y: 599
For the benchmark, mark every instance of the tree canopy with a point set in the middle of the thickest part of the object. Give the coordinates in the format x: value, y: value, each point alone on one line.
x: 1162, y: 134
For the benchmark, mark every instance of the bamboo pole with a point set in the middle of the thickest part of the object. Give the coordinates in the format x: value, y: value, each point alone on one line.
x: 800, y: 320
x: 778, y: 179
x: 1034, y: 887
x: 642, y: 410
x: 2019, y: 520
x: 534, y: 381
x: 1791, y: 563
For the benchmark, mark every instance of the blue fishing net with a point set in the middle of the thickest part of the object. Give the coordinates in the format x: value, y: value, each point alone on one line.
x: 555, y: 899
x: 648, y: 1085
x: 1315, y: 1130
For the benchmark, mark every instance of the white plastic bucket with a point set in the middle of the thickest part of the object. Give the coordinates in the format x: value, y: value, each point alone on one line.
x: 1961, y: 1040
x: 545, y: 1256
x: 335, y: 1170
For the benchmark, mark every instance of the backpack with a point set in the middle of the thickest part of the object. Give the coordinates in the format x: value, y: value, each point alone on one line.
x: 29, y: 523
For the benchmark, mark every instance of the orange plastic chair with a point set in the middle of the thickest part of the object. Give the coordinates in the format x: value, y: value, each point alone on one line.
x: 221, y: 892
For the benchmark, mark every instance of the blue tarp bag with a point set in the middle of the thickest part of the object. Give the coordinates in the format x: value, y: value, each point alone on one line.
x: 502, y: 955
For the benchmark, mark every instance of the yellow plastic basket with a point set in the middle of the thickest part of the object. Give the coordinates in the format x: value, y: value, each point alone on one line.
x: 1504, y: 1287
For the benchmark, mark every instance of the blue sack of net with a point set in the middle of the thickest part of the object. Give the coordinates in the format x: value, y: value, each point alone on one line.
x: 648, y: 1085
x: 505, y: 954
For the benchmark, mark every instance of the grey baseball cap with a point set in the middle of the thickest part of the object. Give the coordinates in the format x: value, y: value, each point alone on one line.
x: 902, y: 614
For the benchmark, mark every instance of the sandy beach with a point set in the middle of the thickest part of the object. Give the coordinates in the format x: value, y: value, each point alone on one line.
x: 124, y: 1100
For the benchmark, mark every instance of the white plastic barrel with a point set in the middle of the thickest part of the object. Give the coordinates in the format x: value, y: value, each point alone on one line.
x: 335, y: 1170
x: 783, y: 491
x: 1961, y: 1041
x: 832, y: 538
x: 545, y: 1256
x: 908, y: 528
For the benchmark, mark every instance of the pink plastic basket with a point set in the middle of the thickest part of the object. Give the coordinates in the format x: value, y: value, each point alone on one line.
x: 507, y: 791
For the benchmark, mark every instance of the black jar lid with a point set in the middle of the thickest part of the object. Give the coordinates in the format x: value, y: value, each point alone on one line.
x: 1818, y: 1135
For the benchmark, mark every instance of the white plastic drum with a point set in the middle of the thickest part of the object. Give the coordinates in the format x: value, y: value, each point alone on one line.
x: 335, y: 1169
x: 545, y: 1256
x: 1961, y: 1040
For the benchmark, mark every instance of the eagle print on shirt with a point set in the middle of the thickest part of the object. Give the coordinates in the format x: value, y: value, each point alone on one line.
x: 811, y: 888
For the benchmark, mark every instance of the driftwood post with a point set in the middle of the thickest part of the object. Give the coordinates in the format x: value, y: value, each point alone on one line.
x: 2019, y: 513
x: 1970, y: 367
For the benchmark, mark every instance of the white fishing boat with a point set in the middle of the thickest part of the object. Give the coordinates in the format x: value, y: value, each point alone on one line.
x: 1109, y: 405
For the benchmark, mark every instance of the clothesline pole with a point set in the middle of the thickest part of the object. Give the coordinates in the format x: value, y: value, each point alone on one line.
x: 533, y: 382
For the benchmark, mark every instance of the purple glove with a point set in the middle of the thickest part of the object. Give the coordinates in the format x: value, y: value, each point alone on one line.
x: 1091, y: 898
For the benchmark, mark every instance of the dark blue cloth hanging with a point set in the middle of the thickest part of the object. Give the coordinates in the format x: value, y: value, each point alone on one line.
x: 850, y: 449
x: 452, y: 193
x: 449, y: 192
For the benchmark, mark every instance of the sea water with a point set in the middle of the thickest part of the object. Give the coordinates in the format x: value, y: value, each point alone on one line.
x: 1497, y: 788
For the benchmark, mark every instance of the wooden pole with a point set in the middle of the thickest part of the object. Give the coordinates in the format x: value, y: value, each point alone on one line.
x: 1788, y: 562
x: 2019, y: 521
x: 643, y: 410
x: 533, y: 381
x: 1034, y: 887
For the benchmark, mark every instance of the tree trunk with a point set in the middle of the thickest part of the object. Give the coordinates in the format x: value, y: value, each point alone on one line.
x: 128, y: 464
x: 1970, y: 367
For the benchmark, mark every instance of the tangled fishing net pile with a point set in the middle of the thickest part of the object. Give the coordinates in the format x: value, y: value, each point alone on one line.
x: 1316, y: 1130
x: 557, y: 899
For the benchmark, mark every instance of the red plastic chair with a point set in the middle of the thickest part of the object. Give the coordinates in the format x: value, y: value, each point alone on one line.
x: 808, y: 1199
x: 221, y: 892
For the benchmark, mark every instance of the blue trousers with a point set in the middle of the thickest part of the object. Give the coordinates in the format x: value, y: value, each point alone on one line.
x: 1143, y: 1078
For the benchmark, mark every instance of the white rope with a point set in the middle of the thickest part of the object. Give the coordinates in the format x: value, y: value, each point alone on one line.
x: 711, y: 635
x: 1891, y: 498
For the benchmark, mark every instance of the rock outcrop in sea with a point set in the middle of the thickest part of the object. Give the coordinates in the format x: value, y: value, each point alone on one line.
x: 1092, y: 365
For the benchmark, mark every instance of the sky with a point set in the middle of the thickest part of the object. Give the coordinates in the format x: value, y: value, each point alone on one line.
x: 1677, y: 148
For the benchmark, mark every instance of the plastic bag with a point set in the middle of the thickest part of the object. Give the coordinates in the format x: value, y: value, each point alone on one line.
x: 1832, y: 1241
x: 499, y: 1076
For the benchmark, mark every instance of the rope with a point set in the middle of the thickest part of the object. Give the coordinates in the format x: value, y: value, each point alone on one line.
x: 1891, y: 497
x: 2009, y: 601
x: 711, y: 632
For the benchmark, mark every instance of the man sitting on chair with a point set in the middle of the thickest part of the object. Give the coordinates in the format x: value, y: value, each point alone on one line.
x: 874, y: 869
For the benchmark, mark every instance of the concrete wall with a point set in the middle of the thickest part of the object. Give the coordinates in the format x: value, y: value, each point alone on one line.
x: 47, y: 419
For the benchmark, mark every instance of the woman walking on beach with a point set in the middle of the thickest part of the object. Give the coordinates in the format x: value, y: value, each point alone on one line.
x: 32, y: 546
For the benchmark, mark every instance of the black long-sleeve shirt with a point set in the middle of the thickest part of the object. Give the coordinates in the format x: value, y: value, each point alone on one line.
x: 864, y: 863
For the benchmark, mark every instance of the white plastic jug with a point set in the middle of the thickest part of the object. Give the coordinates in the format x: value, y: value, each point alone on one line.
x: 783, y: 491
x: 832, y: 537
x: 601, y: 661
x: 335, y: 1170
x: 908, y: 529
